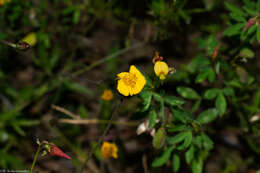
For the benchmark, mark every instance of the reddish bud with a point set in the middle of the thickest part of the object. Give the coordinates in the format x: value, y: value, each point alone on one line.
x: 55, y: 151
x: 215, y: 53
x: 157, y: 57
x: 249, y: 23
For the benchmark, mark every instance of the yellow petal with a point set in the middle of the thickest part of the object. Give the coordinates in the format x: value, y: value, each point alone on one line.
x: 30, y: 39
x: 122, y: 88
x: 160, y: 68
x: 122, y: 74
x: 140, y: 83
x: 115, y: 155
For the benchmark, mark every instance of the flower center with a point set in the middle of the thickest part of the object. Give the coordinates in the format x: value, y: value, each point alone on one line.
x: 108, y: 151
x: 130, y: 80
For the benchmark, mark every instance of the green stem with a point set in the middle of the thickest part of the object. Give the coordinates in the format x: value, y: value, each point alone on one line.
x: 35, y: 158
x: 101, y: 138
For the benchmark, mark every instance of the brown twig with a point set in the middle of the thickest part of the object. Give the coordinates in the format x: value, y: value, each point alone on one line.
x: 65, y: 111
x: 144, y: 161
x: 97, y: 121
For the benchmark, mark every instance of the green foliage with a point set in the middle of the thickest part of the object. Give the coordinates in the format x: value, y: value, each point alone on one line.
x: 217, y: 89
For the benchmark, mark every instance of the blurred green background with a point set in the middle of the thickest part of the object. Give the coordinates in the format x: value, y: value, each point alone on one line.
x: 77, y: 48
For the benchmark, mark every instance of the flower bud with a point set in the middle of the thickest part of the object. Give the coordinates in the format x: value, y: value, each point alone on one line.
x: 161, y: 69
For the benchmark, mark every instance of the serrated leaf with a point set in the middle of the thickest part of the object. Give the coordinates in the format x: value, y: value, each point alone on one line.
x: 207, y: 116
x: 211, y: 93
x: 233, y: 29
x: 176, y: 163
x: 159, y: 138
x: 258, y: 34
x: 189, y: 155
x: 188, y: 93
x: 152, y: 120
x: 174, y: 101
x: 234, y: 9
x: 221, y: 104
x: 163, y: 158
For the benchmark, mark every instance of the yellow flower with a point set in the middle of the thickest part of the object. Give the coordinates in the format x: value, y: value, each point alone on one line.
x: 30, y: 38
x: 161, y: 69
x: 107, y: 95
x: 109, y: 150
x: 131, y: 82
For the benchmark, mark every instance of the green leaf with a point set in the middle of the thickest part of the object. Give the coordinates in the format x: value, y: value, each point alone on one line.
x: 247, y: 53
x: 228, y: 91
x: 217, y: 68
x: 174, y: 101
x: 197, y: 166
x: 198, y: 141
x: 180, y: 115
x: 176, y: 163
x: 188, y: 93
x: 234, y: 9
x: 250, y: 11
x: 211, y: 93
x: 233, y: 29
x: 18, y: 129
x: 163, y: 158
x: 221, y: 104
x: 178, y: 138
x: 207, y: 116
x: 153, y: 117
x: 258, y: 5
x: 207, y: 142
x: 197, y: 63
x: 196, y: 106
x: 73, y: 86
x: 258, y: 34
x: 205, y: 73
x: 159, y: 138
x: 188, y: 139
x: 237, y: 17
x: 211, y: 75
x: 189, y: 155
x: 252, y: 29
x: 28, y: 123
x: 178, y: 128
x: 147, y: 98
